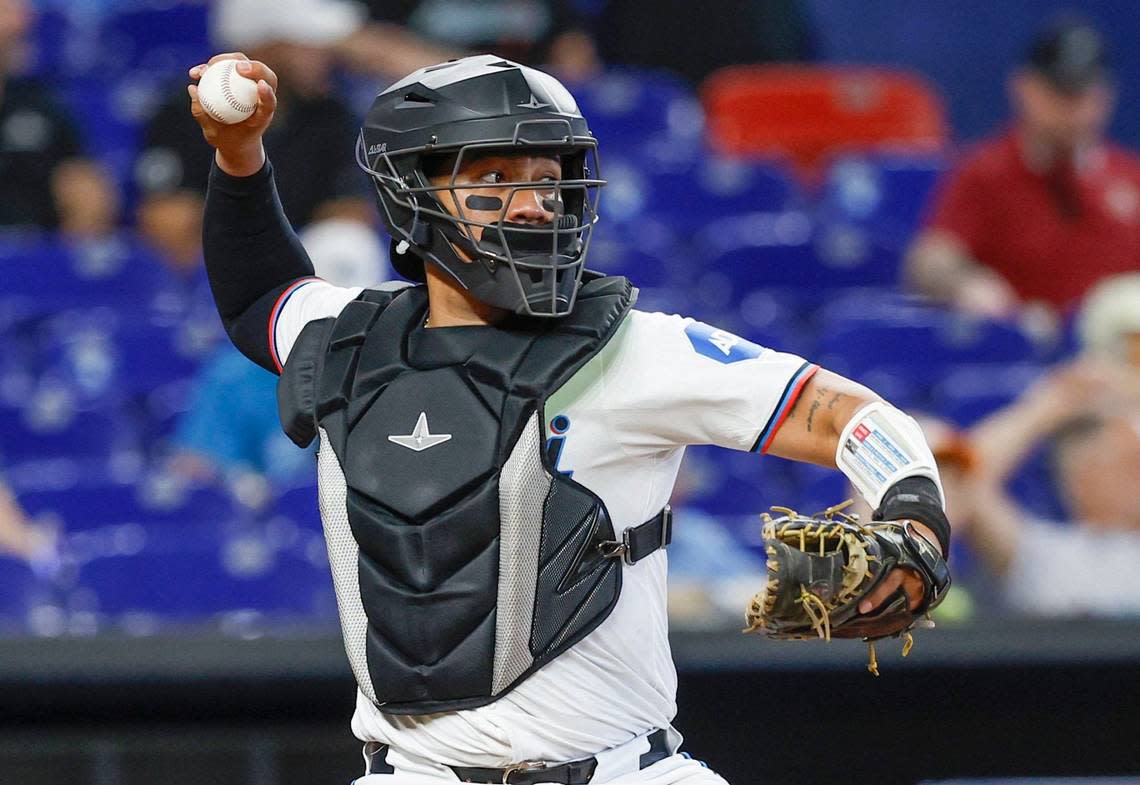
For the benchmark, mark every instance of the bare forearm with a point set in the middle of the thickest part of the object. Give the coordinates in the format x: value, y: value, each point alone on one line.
x: 826, y: 405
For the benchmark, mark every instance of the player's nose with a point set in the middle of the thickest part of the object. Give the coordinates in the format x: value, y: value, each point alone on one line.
x: 530, y: 206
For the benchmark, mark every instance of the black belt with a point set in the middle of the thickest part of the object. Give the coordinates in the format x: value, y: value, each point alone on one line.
x: 578, y: 772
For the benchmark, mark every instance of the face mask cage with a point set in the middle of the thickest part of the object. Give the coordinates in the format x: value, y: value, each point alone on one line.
x: 546, y: 260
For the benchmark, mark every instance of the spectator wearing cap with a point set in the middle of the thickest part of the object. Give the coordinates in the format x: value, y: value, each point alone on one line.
x: 46, y: 181
x: 1041, y: 212
x: 311, y: 142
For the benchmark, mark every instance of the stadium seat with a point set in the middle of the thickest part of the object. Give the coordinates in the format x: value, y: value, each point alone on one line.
x: 164, y: 38
x: 626, y: 107
x: 808, y: 112
x: 924, y: 344
x: 299, y: 505
x: 687, y: 187
x: 102, y: 352
x: 149, y: 503
x: 785, y: 251
x: 17, y: 588
x: 883, y: 194
x: 51, y: 430
x: 201, y: 574
x: 44, y: 274
x: 969, y: 393
x: 731, y: 482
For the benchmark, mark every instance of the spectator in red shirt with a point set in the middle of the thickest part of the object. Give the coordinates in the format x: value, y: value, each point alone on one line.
x: 1041, y: 212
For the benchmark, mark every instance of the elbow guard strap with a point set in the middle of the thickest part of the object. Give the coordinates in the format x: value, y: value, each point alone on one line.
x: 916, y: 499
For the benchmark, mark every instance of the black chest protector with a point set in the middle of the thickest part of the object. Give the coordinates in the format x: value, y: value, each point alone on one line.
x: 462, y: 560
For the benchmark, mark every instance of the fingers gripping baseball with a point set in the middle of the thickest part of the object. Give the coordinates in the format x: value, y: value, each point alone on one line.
x: 238, y: 142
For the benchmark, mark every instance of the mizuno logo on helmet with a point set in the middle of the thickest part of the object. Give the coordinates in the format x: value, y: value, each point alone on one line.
x: 534, y: 103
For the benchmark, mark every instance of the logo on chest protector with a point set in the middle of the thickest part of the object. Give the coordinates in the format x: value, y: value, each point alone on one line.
x: 420, y: 438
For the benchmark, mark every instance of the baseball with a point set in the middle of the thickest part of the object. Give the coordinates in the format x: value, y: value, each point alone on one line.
x: 227, y: 96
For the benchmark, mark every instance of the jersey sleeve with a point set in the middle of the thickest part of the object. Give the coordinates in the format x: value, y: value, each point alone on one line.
x: 674, y: 381
x: 306, y: 300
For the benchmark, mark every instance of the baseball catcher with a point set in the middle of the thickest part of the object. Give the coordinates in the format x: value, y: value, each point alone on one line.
x: 499, y: 437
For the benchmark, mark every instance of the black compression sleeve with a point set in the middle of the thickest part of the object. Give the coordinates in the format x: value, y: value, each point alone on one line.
x: 252, y: 256
x: 917, y: 499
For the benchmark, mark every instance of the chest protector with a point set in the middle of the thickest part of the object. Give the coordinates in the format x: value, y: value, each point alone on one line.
x: 462, y: 561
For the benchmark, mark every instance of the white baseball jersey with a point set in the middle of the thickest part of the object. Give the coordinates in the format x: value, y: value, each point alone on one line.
x: 620, y: 425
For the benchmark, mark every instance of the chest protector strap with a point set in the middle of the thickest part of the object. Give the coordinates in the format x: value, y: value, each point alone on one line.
x: 463, y: 562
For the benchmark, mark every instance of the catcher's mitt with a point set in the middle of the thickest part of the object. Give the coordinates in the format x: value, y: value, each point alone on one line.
x: 820, y: 567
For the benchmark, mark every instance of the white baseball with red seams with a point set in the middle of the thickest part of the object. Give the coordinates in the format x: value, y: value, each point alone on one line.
x: 226, y: 95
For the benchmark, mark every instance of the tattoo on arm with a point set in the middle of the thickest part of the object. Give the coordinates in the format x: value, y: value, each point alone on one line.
x: 820, y: 394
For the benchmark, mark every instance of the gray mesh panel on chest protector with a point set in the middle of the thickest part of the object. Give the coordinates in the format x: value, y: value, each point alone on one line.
x: 476, y: 563
x: 343, y: 557
x: 523, y: 487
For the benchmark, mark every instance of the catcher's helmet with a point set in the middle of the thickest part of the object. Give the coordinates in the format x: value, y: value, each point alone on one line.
x: 479, y: 105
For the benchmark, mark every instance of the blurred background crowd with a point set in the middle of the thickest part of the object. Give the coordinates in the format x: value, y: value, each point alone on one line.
x: 952, y: 228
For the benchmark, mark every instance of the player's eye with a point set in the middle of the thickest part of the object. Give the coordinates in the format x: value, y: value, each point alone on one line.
x: 492, y: 178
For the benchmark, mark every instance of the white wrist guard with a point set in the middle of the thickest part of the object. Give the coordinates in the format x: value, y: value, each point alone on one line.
x: 880, y: 446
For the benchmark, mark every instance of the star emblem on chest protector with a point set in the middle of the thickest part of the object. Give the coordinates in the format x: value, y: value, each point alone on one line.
x: 420, y: 438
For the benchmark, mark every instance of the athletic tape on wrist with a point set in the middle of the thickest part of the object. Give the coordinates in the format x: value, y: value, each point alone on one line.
x: 880, y: 446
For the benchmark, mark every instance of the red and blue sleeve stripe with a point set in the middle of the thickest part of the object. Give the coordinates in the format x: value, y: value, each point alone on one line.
x: 275, y: 314
x: 791, y: 394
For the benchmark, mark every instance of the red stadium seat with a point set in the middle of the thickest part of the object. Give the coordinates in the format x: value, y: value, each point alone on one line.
x: 809, y: 112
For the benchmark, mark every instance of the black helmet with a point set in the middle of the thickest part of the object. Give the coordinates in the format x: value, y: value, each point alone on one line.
x: 472, y: 106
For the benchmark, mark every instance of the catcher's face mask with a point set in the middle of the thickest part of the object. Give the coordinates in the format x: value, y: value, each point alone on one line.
x: 511, y: 224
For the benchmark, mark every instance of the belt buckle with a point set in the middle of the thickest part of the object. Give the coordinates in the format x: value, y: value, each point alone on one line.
x: 523, y: 765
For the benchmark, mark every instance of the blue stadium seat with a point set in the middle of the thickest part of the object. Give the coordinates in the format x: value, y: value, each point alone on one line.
x: 969, y: 393
x: 207, y: 574
x: 17, y: 589
x: 49, y: 431
x: 150, y: 504
x: 689, y: 188
x: 731, y: 482
x: 815, y: 488
x: 626, y: 107
x: 884, y: 193
x: 163, y: 38
x: 101, y: 352
x: 299, y: 505
x: 923, y: 343
x: 43, y: 274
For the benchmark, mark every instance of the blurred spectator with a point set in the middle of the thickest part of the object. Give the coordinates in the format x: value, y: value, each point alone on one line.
x: 1089, y: 414
x: 231, y: 428
x: 1041, y: 212
x: 310, y: 143
x: 534, y: 32
x: 1108, y: 323
x: 694, y: 39
x: 45, y: 180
